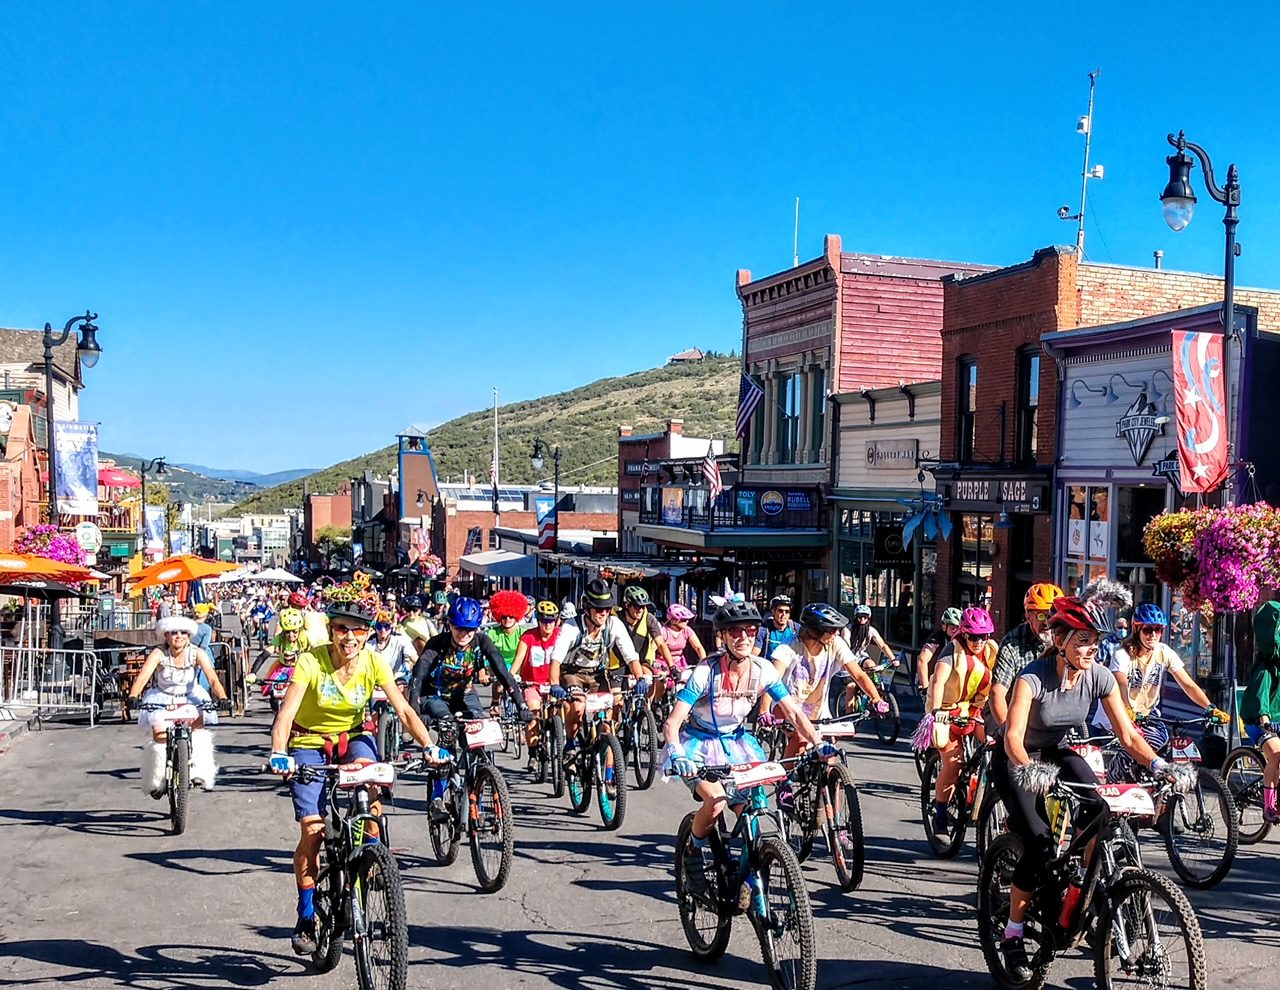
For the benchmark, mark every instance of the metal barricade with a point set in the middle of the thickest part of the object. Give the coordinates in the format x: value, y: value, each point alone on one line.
x: 50, y: 683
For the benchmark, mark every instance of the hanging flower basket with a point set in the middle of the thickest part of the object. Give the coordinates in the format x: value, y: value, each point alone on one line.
x: 48, y: 541
x: 1220, y: 560
x: 430, y: 565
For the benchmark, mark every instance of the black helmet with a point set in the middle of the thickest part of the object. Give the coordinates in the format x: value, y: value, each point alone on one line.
x: 736, y: 614
x: 412, y: 602
x: 351, y: 611
x: 777, y: 600
x: 822, y: 617
x: 599, y: 594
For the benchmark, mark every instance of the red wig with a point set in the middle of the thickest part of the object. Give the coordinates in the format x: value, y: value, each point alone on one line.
x: 508, y: 603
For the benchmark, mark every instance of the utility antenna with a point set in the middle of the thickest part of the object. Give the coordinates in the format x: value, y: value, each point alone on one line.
x: 1084, y: 126
x: 795, y: 244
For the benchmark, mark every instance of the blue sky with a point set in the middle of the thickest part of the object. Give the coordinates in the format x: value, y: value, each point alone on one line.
x: 306, y: 225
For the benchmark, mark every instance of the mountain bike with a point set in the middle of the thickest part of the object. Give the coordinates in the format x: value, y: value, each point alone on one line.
x: 177, y: 753
x: 476, y: 802
x: 1138, y: 924
x: 513, y: 730
x: 359, y: 893
x: 752, y: 871
x: 390, y: 733
x: 969, y: 798
x: 597, y: 762
x: 638, y: 733
x: 824, y: 800
x: 1243, y: 769
x: 889, y: 725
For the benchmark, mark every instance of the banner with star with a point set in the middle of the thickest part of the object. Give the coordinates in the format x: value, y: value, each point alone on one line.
x: 1201, y: 409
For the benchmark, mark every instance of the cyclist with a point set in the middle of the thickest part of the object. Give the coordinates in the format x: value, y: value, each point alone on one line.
x: 959, y: 688
x: 321, y: 721
x: 532, y: 667
x: 415, y: 625
x: 863, y: 638
x: 568, y: 615
x: 1140, y: 665
x: 1021, y: 645
x: 934, y: 645
x: 394, y: 646
x: 680, y: 639
x: 290, y: 642
x: 1260, y: 707
x: 580, y: 661
x: 646, y: 631
x: 1051, y: 697
x: 176, y: 667
x: 780, y: 630
x: 708, y: 725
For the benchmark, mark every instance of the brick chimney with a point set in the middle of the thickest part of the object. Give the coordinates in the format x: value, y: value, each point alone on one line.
x: 675, y: 427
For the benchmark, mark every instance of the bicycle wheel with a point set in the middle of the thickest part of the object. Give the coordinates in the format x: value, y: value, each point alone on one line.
x: 920, y: 761
x: 554, y: 743
x: 643, y: 753
x: 889, y: 725
x: 1201, y: 832
x: 330, y: 923
x: 577, y: 779
x: 445, y: 837
x: 382, y: 931
x: 179, y: 771
x: 610, y: 780
x: 1153, y: 936
x: 798, y: 827
x: 844, y: 822
x: 992, y: 822
x: 1243, y: 773
x: 703, y: 915
x: 948, y: 845
x: 994, y: 879
x: 517, y: 739
x: 492, y: 834
x: 387, y: 741
x: 786, y: 934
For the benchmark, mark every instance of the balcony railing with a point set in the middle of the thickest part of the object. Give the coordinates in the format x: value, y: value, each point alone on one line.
x: 756, y: 508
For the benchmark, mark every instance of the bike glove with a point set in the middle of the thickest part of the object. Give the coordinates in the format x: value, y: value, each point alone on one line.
x: 882, y: 708
x: 825, y: 750
x: 282, y: 763
x: 1217, y: 715
x: 557, y: 692
x: 682, y: 766
x: 642, y: 687
x: 526, y: 715
x: 435, y: 754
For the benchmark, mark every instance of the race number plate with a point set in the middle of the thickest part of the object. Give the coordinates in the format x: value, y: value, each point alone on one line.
x: 1128, y: 799
x: 757, y: 774
x: 180, y: 713
x: 1185, y: 751
x: 363, y: 774
x: 837, y: 730
x: 600, y: 701
x: 485, y: 732
x: 378, y: 695
x: 279, y: 689
x: 1093, y: 756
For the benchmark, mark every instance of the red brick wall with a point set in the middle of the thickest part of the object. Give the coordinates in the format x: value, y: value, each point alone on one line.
x: 1114, y: 293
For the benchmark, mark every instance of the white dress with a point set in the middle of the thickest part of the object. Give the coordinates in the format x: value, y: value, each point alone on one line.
x: 172, y: 684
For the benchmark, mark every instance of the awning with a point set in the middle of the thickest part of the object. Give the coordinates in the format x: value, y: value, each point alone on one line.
x: 499, y: 563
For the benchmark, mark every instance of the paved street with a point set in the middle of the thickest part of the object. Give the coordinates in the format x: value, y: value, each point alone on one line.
x: 97, y: 894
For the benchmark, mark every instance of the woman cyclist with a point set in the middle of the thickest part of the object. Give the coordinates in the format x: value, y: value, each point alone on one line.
x: 1050, y: 698
x: 958, y: 689
x: 1260, y: 707
x: 532, y: 668
x: 322, y: 721
x: 708, y: 725
x: 680, y: 638
x: 288, y: 644
x: 807, y: 666
x: 176, y: 667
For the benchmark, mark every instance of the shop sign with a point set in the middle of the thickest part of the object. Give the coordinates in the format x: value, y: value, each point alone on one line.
x: 995, y: 495
x: 772, y: 503
x: 883, y: 455
x: 1167, y: 468
x: 633, y: 468
x: 889, y: 550
x: 89, y: 536
x: 631, y: 496
x: 1139, y: 426
x: 746, y: 503
x: 800, y: 501
x: 118, y: 549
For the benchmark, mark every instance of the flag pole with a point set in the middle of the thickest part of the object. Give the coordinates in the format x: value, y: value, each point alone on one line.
x: 493, y: 470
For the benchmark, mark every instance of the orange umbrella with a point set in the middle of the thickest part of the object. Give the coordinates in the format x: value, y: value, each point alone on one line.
x: 17, y: 566
x: 177, y: 570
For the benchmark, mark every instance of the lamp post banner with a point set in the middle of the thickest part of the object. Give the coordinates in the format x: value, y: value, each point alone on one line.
x: 155, y: 526
x: 75, y: 447
x: 1201, y: 409
x: 548, y: 521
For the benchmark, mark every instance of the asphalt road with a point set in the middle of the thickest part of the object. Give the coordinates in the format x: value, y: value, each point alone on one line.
x: 97, y: 894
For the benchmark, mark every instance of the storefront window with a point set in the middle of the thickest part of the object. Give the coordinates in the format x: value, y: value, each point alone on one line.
x: 1028, y: 405
x: 789, y: 413
x: 968, y: 408
x: 1088, y: 539
x: 896, y: 591
x: 977, y: 534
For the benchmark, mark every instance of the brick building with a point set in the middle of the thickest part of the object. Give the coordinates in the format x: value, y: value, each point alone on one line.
x: 319, y: 511
x: 657, y: 451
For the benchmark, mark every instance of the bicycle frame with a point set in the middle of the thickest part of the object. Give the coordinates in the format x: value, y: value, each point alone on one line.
x: 746, y: 832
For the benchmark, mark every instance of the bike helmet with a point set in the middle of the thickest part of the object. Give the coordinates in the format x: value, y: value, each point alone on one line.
x: 412, y: 603
x: 439, y: 598
x: 952, y: 616
x: 547, y: 610
x: 637, y: 596
x: 737, y: 614
x: 862, y: 610
x: 1070, y: 612
x: 823, y: 617
x: 568, y: 611
x: 298, y: 599
x: 352, y: 611
x: 783, y: 600
x: 976, y: 622
x: 508, y: 605
x: 599, y: 594
x: 1149, y: 614
x: 678, y: 613
x: 383, y: 618
x: 1040, y: 597
x: 290, y: 620
x: 466, y: 613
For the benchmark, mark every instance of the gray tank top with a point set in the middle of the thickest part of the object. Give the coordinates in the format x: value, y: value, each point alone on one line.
x: 1057, y: 709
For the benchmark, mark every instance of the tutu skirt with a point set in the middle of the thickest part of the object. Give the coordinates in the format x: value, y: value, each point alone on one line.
x: 159, y: 719
x: 717, y: 751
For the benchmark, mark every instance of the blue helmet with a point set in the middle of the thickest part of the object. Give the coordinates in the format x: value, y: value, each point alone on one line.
x: 1149, y: 614
x: 466, y: 613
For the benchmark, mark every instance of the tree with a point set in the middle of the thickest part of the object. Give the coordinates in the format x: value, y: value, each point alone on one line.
x: 334, y: 544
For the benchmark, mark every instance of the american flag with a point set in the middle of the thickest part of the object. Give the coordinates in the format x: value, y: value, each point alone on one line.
x: 711, y: 471
x: 749, y: 396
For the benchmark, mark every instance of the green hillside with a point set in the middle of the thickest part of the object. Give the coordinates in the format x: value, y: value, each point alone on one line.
x: 584, y: 421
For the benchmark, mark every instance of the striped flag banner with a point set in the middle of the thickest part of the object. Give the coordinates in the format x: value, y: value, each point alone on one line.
x: 749, y: 396
x: 711, y: 472
x: 473, y: 541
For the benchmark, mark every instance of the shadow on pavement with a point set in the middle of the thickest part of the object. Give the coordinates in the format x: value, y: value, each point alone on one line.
x: 164, y: 965
x: 251, y: 860
x: 121, y: 824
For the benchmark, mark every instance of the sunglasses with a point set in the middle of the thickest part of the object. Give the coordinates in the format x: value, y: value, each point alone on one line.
x: 1038, y: 616
x: 740, y: 631
x: 977, y: 637
x: 343, y: 629
x: 599, y: 611
x: 1152, y: 630
x: 459, y: 631
x: 547, y: 618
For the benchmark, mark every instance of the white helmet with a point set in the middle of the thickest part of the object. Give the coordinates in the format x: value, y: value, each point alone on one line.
x: 568, y: 611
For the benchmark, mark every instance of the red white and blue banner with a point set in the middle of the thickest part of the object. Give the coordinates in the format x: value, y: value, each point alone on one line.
x: 75, y: 449
x: 548, y: 522
x: 1199, y: 380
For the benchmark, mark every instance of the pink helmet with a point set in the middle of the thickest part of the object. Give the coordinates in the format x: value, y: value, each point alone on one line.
x: 678, y: 613
x: 976, y: 622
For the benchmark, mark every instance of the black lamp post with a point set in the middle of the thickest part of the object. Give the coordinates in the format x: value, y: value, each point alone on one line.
x: 144, y: 466
x: 539, y: 448
x: 88, y: 351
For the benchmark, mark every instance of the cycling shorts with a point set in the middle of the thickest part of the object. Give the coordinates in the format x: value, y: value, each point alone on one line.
x: 309, y: 799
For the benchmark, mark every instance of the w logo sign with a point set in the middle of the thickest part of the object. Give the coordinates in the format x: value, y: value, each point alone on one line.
x: 1138, y: 426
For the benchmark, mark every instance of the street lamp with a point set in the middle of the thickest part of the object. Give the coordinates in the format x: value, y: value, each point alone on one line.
x: 144, y: 466
x: 88, y: 351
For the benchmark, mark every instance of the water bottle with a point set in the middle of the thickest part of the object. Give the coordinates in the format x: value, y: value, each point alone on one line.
x: 1070, y: 903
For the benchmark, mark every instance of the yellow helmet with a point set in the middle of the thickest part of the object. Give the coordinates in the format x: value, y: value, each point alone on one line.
x: 290, y: 620
x: 1041, y: 596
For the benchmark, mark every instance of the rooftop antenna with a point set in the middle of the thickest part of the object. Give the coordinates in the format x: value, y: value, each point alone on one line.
x: 1084, y: 126
x: 795, y: 244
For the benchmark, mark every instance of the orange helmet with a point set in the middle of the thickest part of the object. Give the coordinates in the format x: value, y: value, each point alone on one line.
x: 1041, y: 597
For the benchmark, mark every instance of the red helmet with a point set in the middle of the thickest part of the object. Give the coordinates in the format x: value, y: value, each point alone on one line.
x: 298, y: 600
x: 1069, y: 612
x: 976, y: 622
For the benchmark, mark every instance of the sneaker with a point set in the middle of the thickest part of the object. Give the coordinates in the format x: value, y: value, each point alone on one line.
x: 941, y: 826
x: 439, y: 810
x: 534, y: 765
x: 1016, y: 962
x: 1271, y: 817
x: 304, y: 937
x: 695, y: 871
